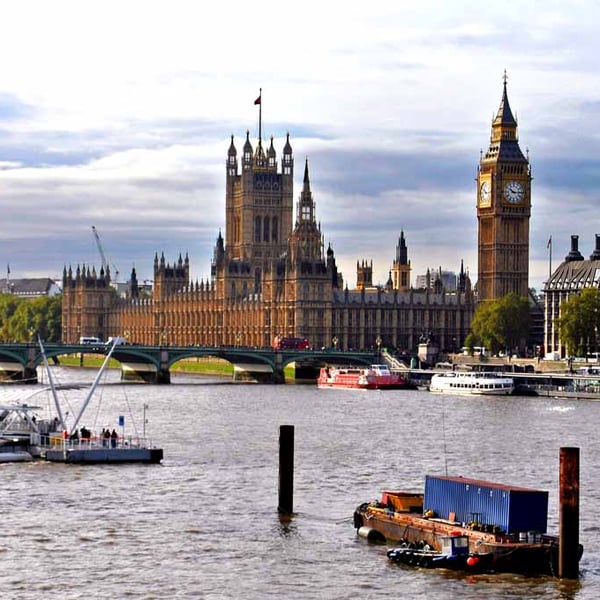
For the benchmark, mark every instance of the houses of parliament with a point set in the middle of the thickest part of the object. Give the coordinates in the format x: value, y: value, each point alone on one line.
x: 271, y: 274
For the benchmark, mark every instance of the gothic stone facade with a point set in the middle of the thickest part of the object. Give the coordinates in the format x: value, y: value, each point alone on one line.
x: 270, y: 276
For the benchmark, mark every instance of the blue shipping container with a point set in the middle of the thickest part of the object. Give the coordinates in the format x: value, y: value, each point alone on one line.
x: 512, y: 509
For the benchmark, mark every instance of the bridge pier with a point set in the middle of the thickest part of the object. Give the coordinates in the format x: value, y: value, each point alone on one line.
x: 163, y: 376
x: 30, y: 375
x: 277, y: 376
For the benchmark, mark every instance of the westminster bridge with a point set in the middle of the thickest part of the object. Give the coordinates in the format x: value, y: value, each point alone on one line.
x: 152, y: 364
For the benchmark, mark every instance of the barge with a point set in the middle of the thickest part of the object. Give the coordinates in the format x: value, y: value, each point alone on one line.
x: 506, y: 526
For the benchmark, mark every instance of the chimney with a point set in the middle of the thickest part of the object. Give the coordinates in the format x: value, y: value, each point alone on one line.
x: 596, y: 253
x: 574, y: 254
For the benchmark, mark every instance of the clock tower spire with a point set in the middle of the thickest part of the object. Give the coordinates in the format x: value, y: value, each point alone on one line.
x: 503, y: 210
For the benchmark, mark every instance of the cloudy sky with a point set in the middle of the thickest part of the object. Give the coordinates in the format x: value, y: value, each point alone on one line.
x: 118, y: 115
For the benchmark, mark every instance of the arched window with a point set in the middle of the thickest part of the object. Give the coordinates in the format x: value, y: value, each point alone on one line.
x: 257, y: 281
x: 266, y: 229
x: 257, y: 228
x: 274, y: 227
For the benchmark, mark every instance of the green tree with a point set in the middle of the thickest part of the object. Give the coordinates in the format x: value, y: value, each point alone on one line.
x: 579, y: 322
x: 8, y: 305
x: 22, y: 318
x: 501, y: 324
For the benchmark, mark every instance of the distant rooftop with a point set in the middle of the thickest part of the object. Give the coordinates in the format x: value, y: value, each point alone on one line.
x: 30, y: 288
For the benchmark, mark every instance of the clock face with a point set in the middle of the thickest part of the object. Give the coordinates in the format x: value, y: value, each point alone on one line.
x: 485, y: 192
x: 514, y: 191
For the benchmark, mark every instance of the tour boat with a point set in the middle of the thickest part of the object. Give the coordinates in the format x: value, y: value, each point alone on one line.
x: 375, y: 377
x: 505, y: 526
x: 470, y: 382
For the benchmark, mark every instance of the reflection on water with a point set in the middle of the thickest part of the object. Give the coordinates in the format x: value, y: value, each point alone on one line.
x: 205, y: 524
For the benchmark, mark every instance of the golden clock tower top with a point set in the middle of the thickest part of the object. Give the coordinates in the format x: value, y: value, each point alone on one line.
x: 503, y: 210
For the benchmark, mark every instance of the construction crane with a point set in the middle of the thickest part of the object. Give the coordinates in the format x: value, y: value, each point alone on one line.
x: 103, y: 256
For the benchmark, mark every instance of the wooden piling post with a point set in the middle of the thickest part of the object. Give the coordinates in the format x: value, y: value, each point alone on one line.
x: 568, y: 545
x: 286, y: 469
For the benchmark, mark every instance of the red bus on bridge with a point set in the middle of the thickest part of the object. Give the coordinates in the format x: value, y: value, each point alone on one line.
x: 290, y: 343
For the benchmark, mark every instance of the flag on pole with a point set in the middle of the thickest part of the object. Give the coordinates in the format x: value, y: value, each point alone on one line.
x: 257, y: 101
x: 549, y: 242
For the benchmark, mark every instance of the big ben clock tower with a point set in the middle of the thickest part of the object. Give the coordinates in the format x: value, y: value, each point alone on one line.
x: 503, y: 211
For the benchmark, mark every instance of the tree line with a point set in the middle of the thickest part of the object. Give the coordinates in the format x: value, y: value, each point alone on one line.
x: 23, y: 319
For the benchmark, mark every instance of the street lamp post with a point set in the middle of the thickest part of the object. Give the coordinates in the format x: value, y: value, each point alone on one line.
x: 378, y: 342
x: 335, y: 341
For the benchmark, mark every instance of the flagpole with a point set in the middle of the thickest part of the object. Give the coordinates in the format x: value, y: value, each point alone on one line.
x: 260, y: 116
x: 550, y: 258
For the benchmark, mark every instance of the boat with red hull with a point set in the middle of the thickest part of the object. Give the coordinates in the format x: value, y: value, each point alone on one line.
x: 374, y: 377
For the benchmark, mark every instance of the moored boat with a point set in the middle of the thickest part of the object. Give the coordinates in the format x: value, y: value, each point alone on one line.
x: 471, y: 382
x: 22, y: 432
x: 95, y: 453
x: 506, y: 525
x: 24, y: 436
x: 374, y: 377
x: 454, y: 555
x: 86, y: 447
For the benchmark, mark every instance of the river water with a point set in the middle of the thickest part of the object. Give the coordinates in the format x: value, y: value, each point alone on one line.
x: 204, y: 523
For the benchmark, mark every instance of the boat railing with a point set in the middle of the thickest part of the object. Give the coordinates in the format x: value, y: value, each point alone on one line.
x: 57, y: 441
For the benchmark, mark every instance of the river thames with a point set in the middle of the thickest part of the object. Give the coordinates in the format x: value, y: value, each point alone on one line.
x: 204, y: 523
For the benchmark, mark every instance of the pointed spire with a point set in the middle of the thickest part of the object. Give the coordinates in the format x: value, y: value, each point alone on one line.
x: 306, y: 181
x: 505, y: 116
x: 504, y: 141
x: 287, y: 149
x: 401, y: 250
x: 232, y: 151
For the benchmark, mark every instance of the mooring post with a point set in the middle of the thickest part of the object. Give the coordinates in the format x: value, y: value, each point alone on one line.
x: 568, y: 544
x: 286, y: 469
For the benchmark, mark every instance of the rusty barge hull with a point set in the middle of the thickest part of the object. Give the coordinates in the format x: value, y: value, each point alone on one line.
x: 510, y: 555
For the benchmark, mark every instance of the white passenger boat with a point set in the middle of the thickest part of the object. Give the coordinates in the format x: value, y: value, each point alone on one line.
x: 464, y: 383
